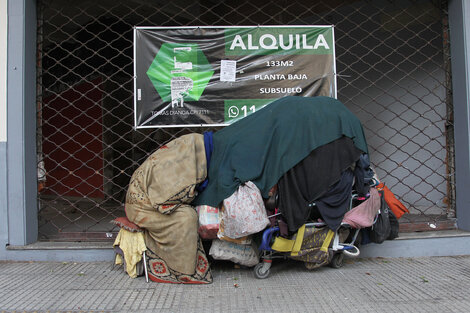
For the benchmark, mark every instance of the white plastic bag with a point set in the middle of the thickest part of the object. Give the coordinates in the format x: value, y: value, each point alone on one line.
x: 244, y: 212
x: 245, y: 255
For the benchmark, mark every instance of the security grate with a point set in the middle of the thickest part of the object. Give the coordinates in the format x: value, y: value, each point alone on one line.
x: 393, y: 73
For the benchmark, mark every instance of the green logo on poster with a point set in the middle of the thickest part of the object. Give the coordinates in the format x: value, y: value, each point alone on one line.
x: 180, y: 72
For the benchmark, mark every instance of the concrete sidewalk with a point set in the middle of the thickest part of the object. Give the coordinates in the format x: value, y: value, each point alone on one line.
x: 425, y: 284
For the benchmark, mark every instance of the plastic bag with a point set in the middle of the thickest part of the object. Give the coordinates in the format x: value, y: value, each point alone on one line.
x: 208, y: 218
x: 394, y: 225
x: 381, y: 229
x: 244, y: 212
x: 393, y: 203
x: 245, y: 255
x: 245, y: 240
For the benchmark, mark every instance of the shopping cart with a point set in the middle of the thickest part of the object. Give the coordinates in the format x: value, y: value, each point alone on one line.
x: 314, y: 243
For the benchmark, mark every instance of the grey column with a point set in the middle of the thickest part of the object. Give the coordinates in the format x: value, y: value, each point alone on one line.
x: 21, y: 106
x: 459, y: 21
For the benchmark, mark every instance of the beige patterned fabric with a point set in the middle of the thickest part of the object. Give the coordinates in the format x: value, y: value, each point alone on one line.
x: 158, y: 200
x: 169, y: 176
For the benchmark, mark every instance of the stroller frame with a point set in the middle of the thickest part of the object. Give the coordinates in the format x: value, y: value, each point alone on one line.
x: 338, y: 250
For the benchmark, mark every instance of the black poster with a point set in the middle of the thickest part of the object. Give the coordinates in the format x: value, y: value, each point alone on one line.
x: 208, y: 76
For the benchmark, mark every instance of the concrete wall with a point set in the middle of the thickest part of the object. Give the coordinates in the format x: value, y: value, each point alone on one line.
x: 3, y: 70
x: 3, y: 124
x: 18, y: 178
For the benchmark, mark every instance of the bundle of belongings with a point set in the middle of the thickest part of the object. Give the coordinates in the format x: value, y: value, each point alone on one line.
x: 304, y: 152
x: 159, y: 201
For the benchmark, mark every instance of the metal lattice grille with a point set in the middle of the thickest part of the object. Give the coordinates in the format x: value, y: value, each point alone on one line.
x: 393, y: 73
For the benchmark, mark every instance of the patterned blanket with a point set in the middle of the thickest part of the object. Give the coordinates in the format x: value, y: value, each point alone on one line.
x: 157, y: 200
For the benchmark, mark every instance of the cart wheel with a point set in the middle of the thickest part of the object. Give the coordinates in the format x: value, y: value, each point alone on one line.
x: 262, y: 271
x: 337, y: 260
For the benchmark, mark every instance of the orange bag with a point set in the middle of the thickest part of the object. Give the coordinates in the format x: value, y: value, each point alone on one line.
x: 393, y: 203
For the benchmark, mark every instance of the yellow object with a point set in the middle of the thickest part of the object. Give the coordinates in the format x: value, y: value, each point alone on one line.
x: 326, y: 243
x: 293, y: 246
x: 286, y: 245
x: 133, y: 245
x: 282, y: 244
x: 298, y: 241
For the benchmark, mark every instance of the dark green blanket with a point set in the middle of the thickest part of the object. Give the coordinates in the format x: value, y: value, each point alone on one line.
x: 263, y: 146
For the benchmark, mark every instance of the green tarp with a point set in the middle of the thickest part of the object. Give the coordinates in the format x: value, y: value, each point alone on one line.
x: 266, y: 144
